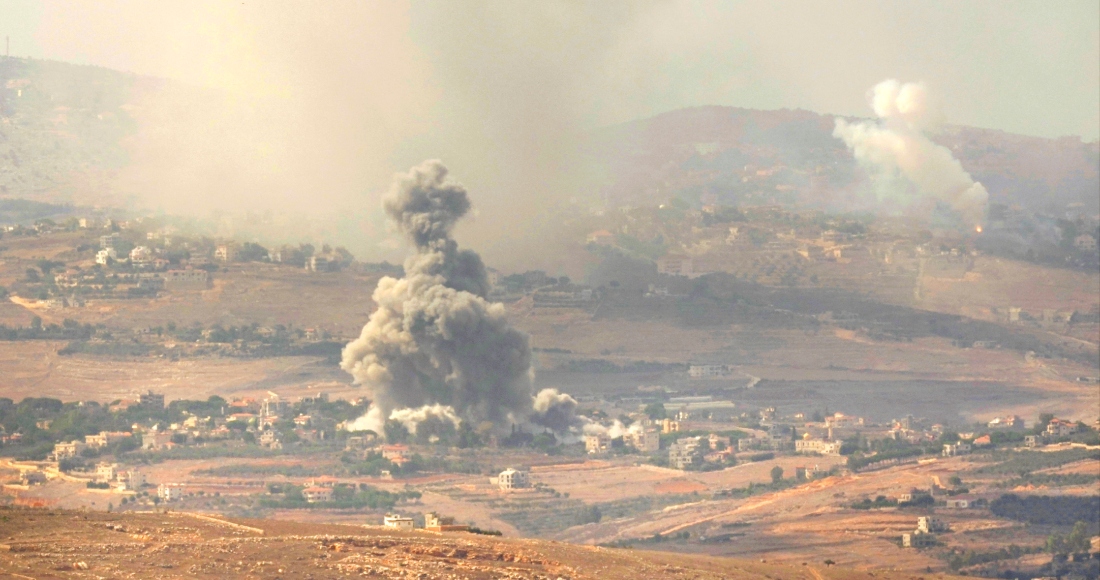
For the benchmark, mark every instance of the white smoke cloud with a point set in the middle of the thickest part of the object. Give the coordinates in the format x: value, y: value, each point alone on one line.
x: 895, y: 149
x: 374, y: 420
x: 411, y: 418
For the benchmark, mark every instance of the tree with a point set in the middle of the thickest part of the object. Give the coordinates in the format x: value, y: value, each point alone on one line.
x: 395, y: 431
x: 656, y: 411
x: 1077, y: 541
x: 777, y: 474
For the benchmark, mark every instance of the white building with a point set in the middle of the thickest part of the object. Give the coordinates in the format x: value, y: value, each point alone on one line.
x: 169, y: 492
x: 513, y: 479
x: 105, y: 255
x: 106, y: 472
x: 823, y: 447
x: 1061, y: 428
x: 141, y: 255
x: 397, y: 522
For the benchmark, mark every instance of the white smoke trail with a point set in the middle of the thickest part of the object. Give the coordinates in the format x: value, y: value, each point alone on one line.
x: 896, y: 147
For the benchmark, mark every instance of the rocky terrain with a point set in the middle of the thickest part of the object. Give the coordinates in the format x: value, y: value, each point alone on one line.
x: 66, y: 544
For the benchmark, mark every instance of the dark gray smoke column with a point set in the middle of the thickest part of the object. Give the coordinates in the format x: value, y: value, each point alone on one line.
x: 434, y: 339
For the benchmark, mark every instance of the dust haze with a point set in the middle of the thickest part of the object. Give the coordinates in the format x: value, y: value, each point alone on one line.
x: 303, y: 115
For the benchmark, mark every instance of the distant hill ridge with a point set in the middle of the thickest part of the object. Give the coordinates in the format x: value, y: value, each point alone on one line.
x: 64, y: 131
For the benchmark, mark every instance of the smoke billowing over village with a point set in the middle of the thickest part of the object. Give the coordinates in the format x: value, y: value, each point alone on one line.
x: 558, y: 290
x: 436, y: 348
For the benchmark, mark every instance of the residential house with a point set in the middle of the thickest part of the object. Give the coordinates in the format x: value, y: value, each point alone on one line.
x: 169, y: 492
x: 433, y: 522
x: 316, y: 493
x: 646, y: 440
x: 1009, y: 422
x: 67, y: 450
x: 685, y: 453
x: 510, y: 479
x: 130, y: 480
x: 106, y: 472
x: 1060, y: 428
x: 959, y: 502
x: 398, y: 522
x: 953, y: 449
x: 597, y: 443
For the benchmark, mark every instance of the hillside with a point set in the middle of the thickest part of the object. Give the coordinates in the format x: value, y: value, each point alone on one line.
x: 63, y: 544
x: 66, y: 129
x: 736, y: 156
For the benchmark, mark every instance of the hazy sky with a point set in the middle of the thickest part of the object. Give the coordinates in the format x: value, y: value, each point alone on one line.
x: 1028, y: 67
x: 331, y: 98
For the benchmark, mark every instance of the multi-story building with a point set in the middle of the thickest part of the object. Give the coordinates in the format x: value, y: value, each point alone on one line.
x: 316, y: 493
x: 510, y: 479
x: 597, y: 443
x: 685, y: 453
x: 807, y: 445
x: 67, y: 450
x: 169, y: 492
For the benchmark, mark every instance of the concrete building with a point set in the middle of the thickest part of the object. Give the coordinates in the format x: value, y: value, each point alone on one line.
x: 675, y: 265
x: 917, y: 540
x: 398, y: 522
x: 141, y: 255
x: 958, y: 503
x: 67, y: 450
x: 510, y: 479
x: 105, y: 438
x: 953, y: 449
x: 186, y: 279
x: 685, y: 453
x: 151, y: 400
x: 646, y: 440
x: 598, y: 443
x: 433, y: 522
x: 842, y: 421
x: 169, y: 492
x: 1009, y: 422
x: 1060, y: 428
x: 106, y: 472
x: 316, y: 493
x: 105, y: 256
x: 930, y: 525
x: 807, y: 445
x: 706, y: 371
x: 225, y: 253
x: 130, y: 480
x: 1033, y: 441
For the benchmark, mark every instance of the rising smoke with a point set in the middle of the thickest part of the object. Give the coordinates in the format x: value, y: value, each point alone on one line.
x: 897, y: 152
x: 435, y: 347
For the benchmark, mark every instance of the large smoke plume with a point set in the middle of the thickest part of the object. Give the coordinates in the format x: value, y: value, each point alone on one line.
x: 435, y: 347
x: 895, y: 148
